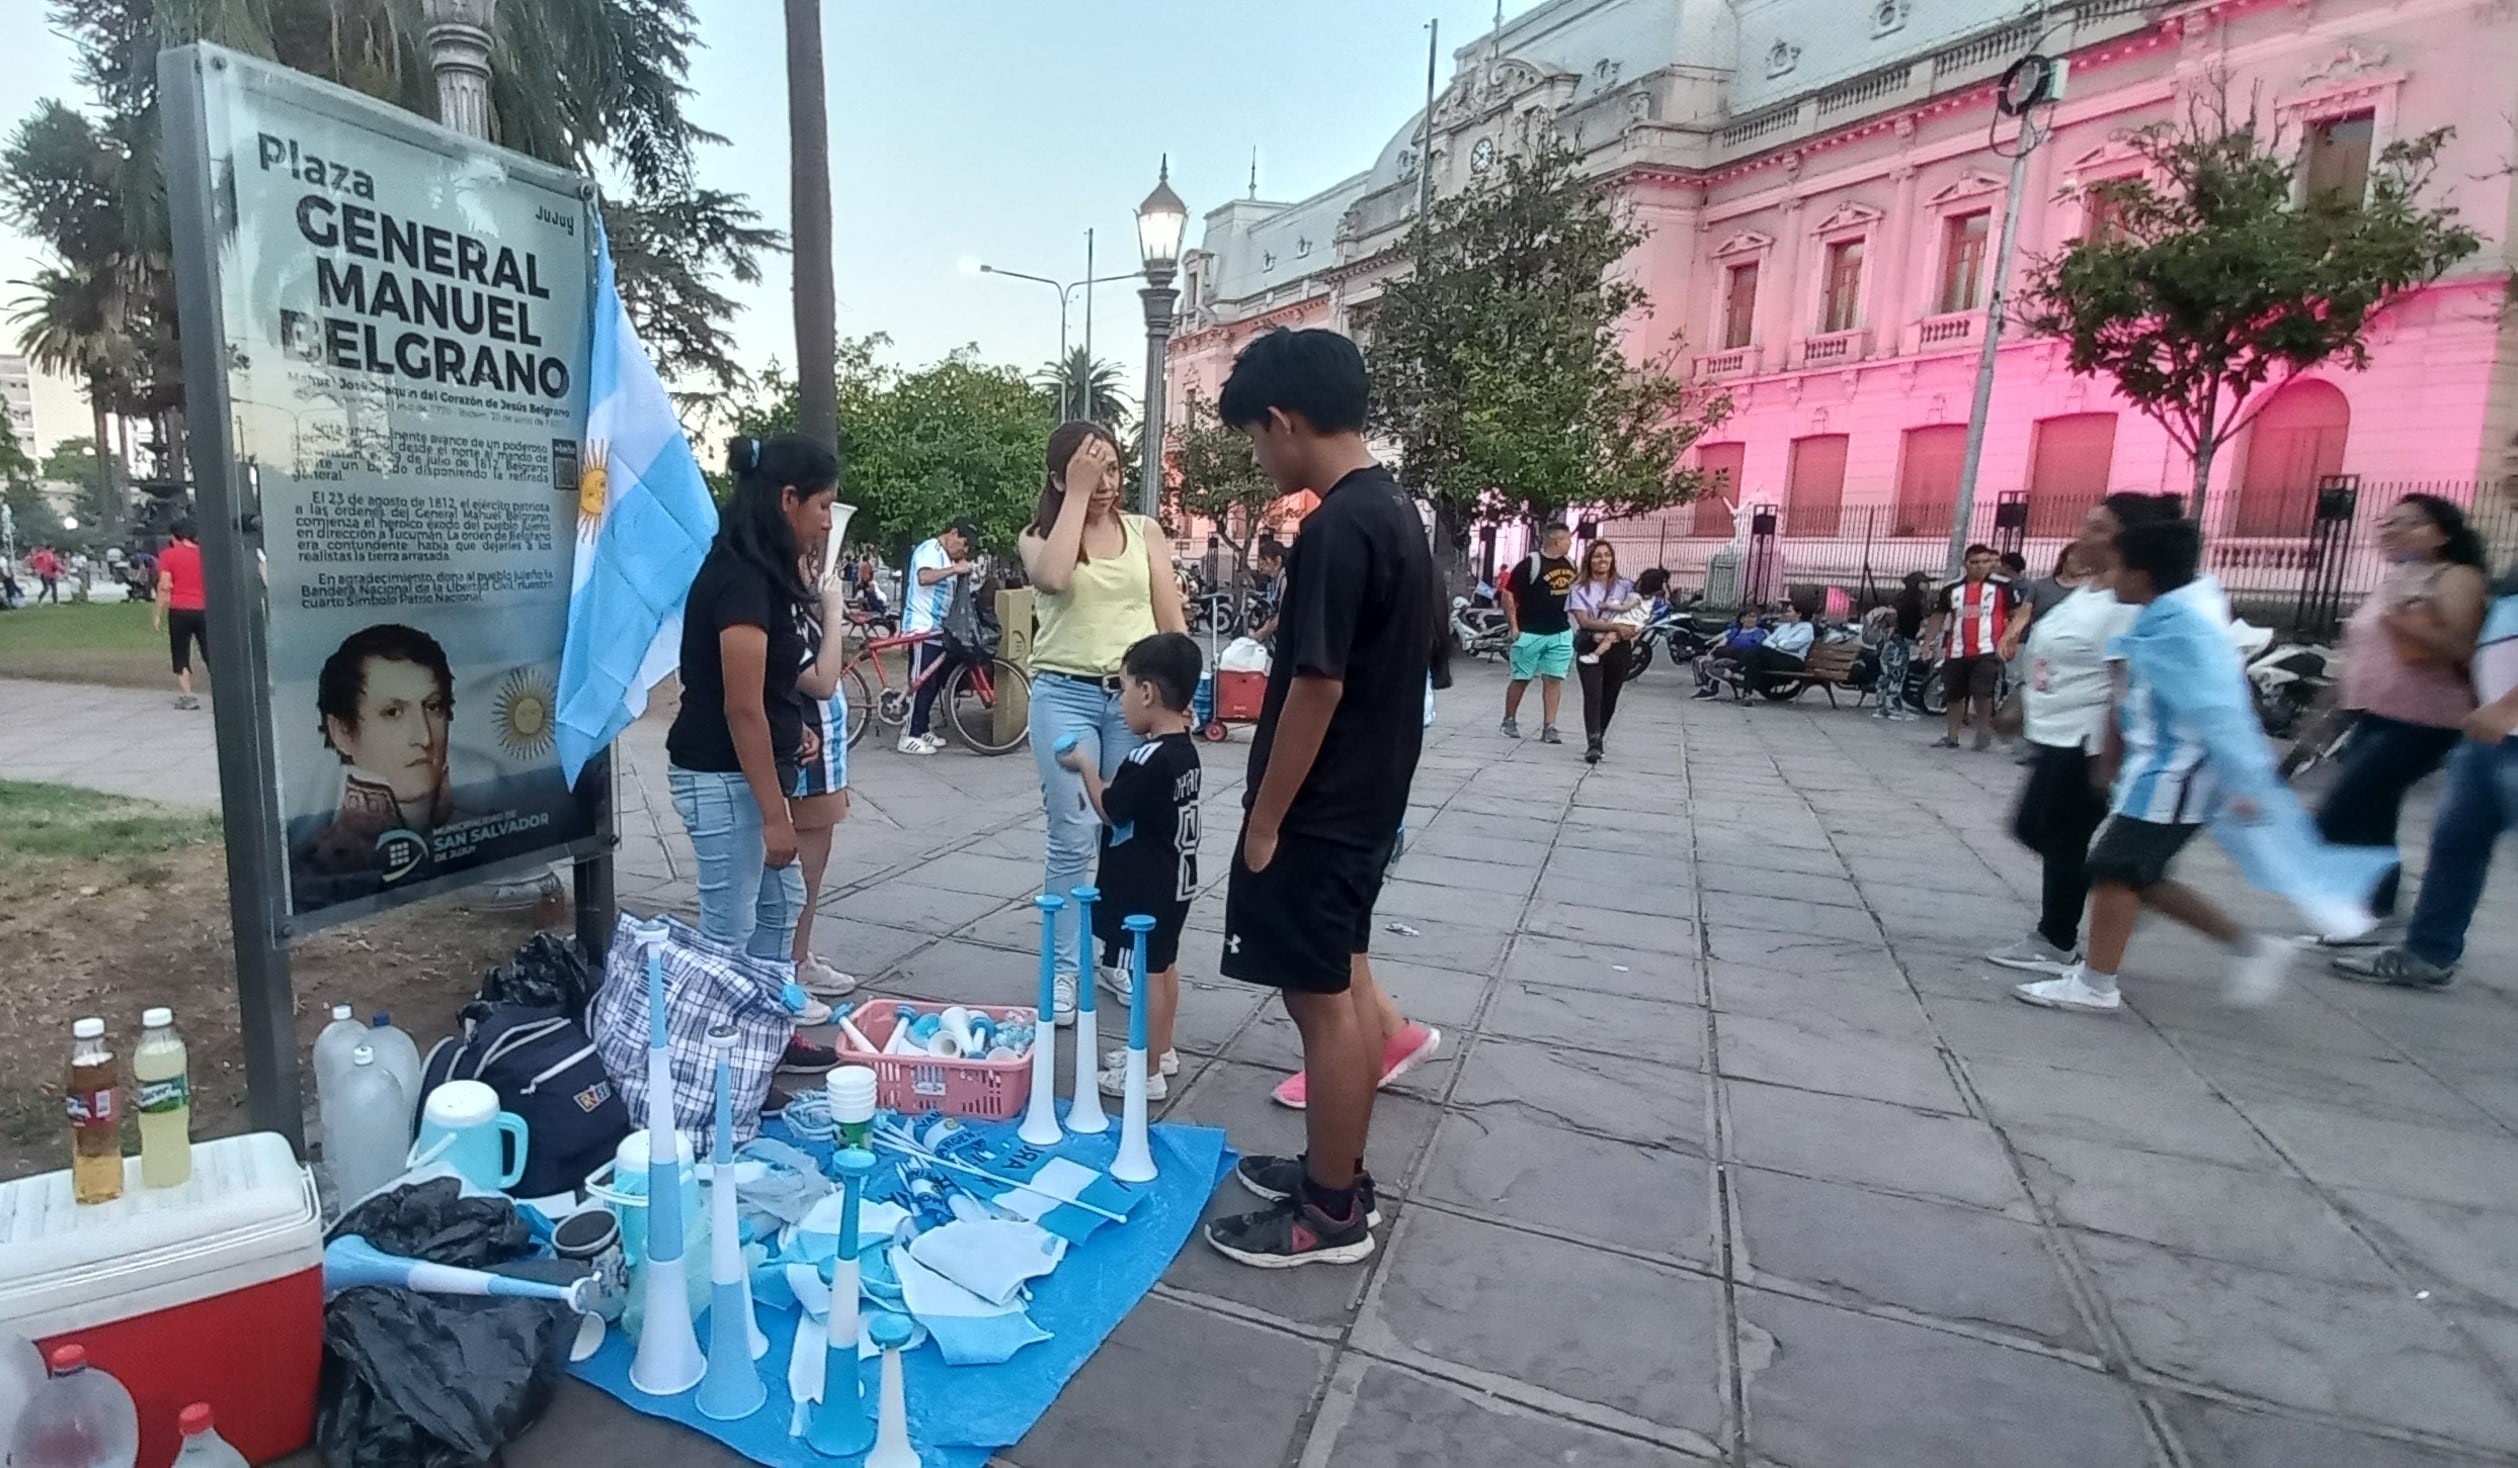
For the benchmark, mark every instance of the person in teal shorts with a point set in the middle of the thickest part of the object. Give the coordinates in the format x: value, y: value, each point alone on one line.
x: 1542, y: 631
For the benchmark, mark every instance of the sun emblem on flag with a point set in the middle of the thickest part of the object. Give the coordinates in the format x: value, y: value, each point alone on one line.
x: 523, y: 712
x: 593, y: 488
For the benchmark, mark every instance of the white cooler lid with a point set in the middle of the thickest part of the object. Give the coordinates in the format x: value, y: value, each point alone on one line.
x: 247, y: 1214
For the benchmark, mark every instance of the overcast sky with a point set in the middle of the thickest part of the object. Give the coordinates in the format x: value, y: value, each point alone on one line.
x: 996, y: 130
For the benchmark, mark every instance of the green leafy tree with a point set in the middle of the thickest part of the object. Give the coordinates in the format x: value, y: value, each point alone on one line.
x: 923, y: 447
x: 31, y: 518
x: 1086, y: 387
x: 2214, y: 279
x: 1512, y: 364
x: 1213, y: 474
x: 103, y: 506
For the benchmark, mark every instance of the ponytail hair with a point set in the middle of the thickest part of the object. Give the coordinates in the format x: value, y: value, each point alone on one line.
x: 1063, y: 442
x: 754, y: 528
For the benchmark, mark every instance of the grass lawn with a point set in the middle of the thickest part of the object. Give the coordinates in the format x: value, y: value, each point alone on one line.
x: 65, y: 823
x: 99, y: 642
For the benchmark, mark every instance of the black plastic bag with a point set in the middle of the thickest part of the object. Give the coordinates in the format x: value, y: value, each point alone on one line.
x: 412, y: 1380
x: 549, y: 972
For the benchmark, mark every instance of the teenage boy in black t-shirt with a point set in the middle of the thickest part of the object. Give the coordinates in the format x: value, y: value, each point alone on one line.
x: 1330, y: 764
x: 1149, y: 863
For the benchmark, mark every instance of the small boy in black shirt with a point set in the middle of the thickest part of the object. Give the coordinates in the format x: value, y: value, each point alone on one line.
x: 1149, y: 863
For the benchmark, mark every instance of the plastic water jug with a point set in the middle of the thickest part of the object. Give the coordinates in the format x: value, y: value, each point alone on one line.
x: 333, y: 1046
x: 79, y: 1418
x: 203, y: 1447
x: 366, y: 1128
x: 399, y: 1054
x: 21, y: 1374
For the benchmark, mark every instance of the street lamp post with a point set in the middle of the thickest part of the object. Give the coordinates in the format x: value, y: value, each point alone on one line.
x: 1065, y: 292
x: 1160, y: 221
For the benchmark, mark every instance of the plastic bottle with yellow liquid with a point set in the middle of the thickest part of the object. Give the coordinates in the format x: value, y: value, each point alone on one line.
x: 94, y: 1098
x: 161, y: 1085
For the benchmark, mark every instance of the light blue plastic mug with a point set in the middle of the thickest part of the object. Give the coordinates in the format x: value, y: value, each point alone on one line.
x: 462, y: 1127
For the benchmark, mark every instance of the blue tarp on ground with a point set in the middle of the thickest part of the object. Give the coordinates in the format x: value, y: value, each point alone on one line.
x: 959, y: 1415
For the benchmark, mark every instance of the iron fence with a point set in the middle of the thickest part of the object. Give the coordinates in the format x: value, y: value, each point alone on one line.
x: 2300, y: 584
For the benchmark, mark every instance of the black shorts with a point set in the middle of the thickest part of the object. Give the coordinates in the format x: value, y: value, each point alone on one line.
x: 1162, y: 946
x: 2135, y: 853
x: 1300, y: 924
x: 184, y: 631
x: 1975, y: 677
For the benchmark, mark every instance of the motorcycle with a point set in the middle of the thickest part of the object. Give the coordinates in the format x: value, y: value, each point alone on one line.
x: 2288, y: 680
x: 1675, y: 628
x: 1480, y: 631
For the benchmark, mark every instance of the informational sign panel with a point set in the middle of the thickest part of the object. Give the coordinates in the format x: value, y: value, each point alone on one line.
x: 404, y: 313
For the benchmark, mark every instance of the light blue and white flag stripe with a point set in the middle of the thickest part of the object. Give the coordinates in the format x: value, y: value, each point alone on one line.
x: 635, y: 562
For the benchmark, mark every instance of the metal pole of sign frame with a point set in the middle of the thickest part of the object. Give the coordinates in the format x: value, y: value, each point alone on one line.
x: 231, y: 543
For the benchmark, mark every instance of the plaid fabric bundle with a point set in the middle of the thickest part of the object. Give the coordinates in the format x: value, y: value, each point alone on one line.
x: 706, y: 984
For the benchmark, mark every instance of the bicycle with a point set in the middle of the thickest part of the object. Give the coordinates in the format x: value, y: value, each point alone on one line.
x: 968, y: 700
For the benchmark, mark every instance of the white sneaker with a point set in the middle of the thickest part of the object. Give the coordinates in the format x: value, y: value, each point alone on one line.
x: 1120, y: 981
x: 2256, y: 975
x: 2033, y: 954
x: 919, y: 744
x: 1589, y: 657
x: 2388, y: 933
x: 823, y: 981
x: 2068, y: 992
x: 1114, y: 1082
x: 1062, y: 1007
x: 812, y: 1012
x: 1167, y: 1063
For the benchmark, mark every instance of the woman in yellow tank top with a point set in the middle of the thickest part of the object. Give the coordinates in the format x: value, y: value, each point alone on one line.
x: 1098, y: 586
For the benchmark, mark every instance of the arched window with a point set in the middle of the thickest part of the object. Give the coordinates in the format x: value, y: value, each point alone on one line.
x: 2296, y: 441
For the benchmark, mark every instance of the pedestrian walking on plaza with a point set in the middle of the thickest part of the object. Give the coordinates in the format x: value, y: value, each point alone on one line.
x: 1331, y: 761
x: 2478, y: 805
x: 183, y: 608
x: 2068, y: 689
x: 1542, y: 631
x: 734, y: 753
x: 2191, y: 751
x: 819, y: 799
x: 1970, y: 619
x: 45, y: 566
x: 1098, y: 589
x: 934, y: 569
x: 2405, y: 657
x: 1607, y: 643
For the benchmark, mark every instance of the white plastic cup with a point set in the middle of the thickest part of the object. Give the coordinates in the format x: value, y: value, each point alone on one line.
x: 851, y: 1092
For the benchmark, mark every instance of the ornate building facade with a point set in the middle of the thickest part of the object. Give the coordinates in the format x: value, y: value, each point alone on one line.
x: 1822, y: 187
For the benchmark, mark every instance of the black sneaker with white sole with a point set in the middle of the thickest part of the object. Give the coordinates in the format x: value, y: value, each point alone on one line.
x: 1291, y: 1234
x: 1275, y: 1179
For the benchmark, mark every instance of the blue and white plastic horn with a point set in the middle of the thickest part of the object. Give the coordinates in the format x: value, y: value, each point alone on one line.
x: 351, y: 1261
x: 1136, y: 1156
x: 840, y: 1426
x: 732, y: 1389
x: 668, y: 1362
x: 1084, y: 1111
x: 1040, y: 1121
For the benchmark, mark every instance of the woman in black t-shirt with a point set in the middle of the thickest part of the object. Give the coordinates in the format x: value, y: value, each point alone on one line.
x: 733, y: 750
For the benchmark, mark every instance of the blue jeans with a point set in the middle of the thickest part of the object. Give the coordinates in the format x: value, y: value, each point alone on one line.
x: 2384, y: 759
x: 1062, y: 706
x: 2478, y: 804
x: 742, y: 903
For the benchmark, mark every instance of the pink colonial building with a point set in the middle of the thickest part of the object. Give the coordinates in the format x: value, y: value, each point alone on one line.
x: 1823, y: 193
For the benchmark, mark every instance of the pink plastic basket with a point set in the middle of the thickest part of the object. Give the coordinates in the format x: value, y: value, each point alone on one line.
x: 990, y: 1089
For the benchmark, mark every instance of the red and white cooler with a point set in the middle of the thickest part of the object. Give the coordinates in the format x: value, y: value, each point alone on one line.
x: 209, y: 1292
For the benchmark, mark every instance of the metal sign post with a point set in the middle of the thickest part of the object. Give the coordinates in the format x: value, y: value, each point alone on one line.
x: 385, y: 331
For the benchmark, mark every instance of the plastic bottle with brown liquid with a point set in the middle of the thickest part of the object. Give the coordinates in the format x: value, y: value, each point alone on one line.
x: 94, y: 1097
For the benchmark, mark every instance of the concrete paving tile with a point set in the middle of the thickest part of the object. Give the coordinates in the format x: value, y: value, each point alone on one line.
x: 1802, y: 953
x: 1574, y: 964
x: 1254, y: 1385
x: 2345, y: 1150
x: 1783, y: 914
x: 1641, y: 928
x: 1423, y: 905
x: 970, y: 871
x: 1438, y: 943
x: 2218, y: 1435
x: 860, y: 948
x: 1430, y: 995
x: 1818, y: 1052
x: 1641, y: 1338
x: 583, y: 1425
x: 2118, y: 1045
x: 2445, y: 1246
x: 1870, y: 1143
x: 1650, y: 839
x: 1669, y: 867
x: 2154, y: 1114
x: 903, y: 902
x: 1656, y: 1100
x: 1586, y: 1019
x: 1746, y: 858
x: 964, y: 973
x: 1642, y: 888
x: 1511, y: 1166
x: 1402, y: 1420
x: 1868, y: 1249
x: 1497, y: 882
x: 2375, y: 1355
x: 1828, y: 1388
x: 1823, y: 889
x: 1234, y: 1096
x: 1211, y: 1013
x: 1882, y: 1005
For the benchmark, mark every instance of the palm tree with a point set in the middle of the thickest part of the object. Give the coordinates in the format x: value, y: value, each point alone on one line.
x: 809, y: 192
x: 1086, y: 388
x: 71, y: 325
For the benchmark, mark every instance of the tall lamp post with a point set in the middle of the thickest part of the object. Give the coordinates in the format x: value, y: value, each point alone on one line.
x: 1160, y: 220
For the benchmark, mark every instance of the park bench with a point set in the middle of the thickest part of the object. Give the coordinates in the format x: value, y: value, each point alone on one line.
x: 1830, y: 667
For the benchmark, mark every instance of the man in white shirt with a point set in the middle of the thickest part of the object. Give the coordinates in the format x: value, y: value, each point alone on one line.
x: 933, y: 568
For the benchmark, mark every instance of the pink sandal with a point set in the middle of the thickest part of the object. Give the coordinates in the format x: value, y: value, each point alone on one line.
x: 1411, y: 1047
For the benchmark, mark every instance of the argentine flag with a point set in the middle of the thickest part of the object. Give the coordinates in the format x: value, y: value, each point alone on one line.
x: 644, y: 523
